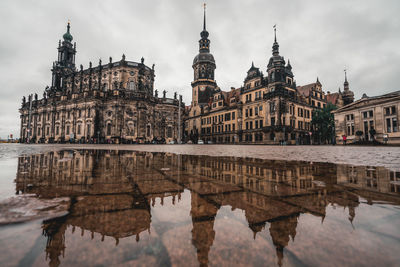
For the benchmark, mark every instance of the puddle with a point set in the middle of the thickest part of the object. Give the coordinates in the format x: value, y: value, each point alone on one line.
x: 103, y: 207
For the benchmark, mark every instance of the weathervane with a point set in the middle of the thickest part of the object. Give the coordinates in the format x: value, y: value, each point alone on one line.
x: 275, y: 32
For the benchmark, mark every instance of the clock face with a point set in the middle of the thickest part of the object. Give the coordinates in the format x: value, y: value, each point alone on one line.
x: 202, y: 88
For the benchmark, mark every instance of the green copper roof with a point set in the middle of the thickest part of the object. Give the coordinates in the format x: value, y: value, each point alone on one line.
x: 67, y: 36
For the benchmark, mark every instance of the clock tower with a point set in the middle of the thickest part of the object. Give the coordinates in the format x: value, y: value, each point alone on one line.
x: 203, y: 85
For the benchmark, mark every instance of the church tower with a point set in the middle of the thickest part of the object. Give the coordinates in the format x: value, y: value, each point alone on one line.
x: 65, y: 63
x: 278, y: 72
x: 204, y: 66
x: 348, y: 95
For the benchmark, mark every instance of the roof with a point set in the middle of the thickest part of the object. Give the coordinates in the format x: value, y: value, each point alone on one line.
x: 367, y: 101
x: 332, y: 98
x: 305, y: 89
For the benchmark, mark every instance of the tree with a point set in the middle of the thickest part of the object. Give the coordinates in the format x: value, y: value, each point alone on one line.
x: 323, y: 124
x: 372, y: 132
x: 359, y: 134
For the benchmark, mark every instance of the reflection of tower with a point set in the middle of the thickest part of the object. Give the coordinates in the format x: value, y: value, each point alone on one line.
x: 281, y: 231
x: 54, y: 230
x: 203, y: 215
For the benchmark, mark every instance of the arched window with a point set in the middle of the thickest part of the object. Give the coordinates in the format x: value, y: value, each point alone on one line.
x: 109, y: 129
x: 148, y: 130
x: 169, y: 131
x: 131, y: 129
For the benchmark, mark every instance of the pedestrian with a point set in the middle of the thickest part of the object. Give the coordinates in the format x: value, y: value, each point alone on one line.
x: 344, y: 139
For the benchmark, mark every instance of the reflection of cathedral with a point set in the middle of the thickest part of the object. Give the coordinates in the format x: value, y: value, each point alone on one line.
x: 113, y: 194
x: 115, y: 102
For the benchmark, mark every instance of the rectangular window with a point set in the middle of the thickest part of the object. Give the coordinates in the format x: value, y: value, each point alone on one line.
x: 233, y: 127
x: 251, y: 125
x: 388, y: 125
x: 251, y: 112
x: 394, y: 125
x: 79, y: 129
x: 256, y: 124
x: 260, y: 109
x: 256, y: 111
x: 233, y: 115
x: 272, y: 121
x: 68, y: 129
x: 57, y: 130
x: 261, y: 123
x: 247, y: 125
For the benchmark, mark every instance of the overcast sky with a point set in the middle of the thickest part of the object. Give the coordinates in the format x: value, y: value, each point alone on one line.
x: 319, y: 37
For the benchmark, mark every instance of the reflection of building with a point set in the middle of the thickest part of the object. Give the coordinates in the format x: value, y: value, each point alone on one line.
x: 372, y: 179
x: 114, y: 193
x: 379, y: 114
x: 114, y: 101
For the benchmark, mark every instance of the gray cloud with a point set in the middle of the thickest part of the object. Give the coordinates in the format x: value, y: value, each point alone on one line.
x: 319, y: 38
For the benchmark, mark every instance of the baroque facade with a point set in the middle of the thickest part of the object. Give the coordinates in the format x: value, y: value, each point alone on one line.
x: 266, y: 109
x: 113, y: 102
x: 375, y: 118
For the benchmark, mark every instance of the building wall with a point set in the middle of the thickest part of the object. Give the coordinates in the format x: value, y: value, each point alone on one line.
x: 366, y: 115
x: 126, y: 112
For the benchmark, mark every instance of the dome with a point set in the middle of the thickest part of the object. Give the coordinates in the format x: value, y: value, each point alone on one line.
x: 204, y: 57
x: 67, y: 36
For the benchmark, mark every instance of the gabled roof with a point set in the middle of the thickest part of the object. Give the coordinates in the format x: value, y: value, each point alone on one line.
x: 332, y: 98
x: 306, y: 89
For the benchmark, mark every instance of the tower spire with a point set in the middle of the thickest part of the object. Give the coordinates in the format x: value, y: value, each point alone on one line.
x: 204, y: 22
x: 67, y: 36
x: 346, y: 83
x: 204, y: 41
x: 275, y: 46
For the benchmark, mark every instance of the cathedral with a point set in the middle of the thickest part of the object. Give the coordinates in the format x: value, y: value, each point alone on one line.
x: 267, y: 109
x: 113, y: 102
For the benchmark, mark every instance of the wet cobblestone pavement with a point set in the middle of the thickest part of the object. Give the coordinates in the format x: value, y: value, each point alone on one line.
x: 119, y: 207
